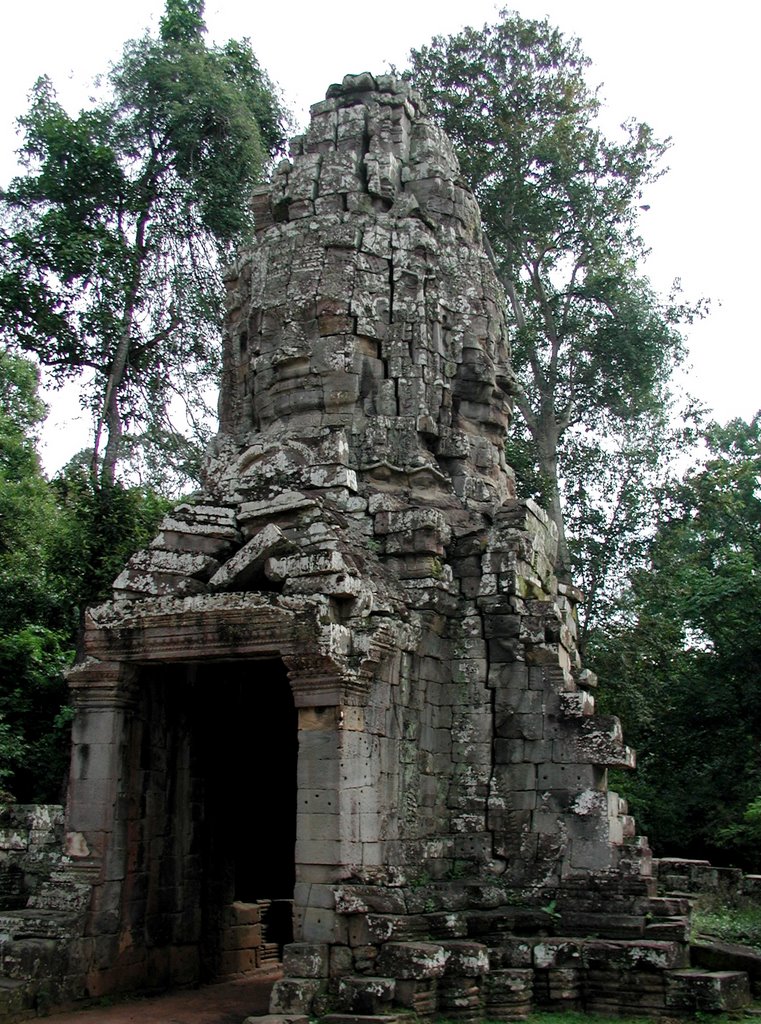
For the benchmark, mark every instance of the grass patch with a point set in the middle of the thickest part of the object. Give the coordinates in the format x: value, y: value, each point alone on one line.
x: 732, y: 920
x: 578, y: 1017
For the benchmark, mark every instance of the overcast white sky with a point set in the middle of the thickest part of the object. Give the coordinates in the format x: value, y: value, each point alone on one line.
x: 688, y: 68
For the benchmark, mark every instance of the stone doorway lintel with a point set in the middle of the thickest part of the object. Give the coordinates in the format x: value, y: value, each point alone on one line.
x: 323, y: 667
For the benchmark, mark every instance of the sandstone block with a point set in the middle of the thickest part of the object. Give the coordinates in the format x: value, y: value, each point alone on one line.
x: 239, y: 961
x: 295, y: 995
x: 318, y: 564
x: 694, y: 990
x: 412, y: 960
x: 279, y: 1018
x: 242, y: 936
x: 249, y: 561
x: 306, y: 960
x: 366, y: 995
x: 244, y: 913
x: 466, y: 959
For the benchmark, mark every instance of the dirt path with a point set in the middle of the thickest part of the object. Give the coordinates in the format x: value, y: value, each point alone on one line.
x: 225, y: 1003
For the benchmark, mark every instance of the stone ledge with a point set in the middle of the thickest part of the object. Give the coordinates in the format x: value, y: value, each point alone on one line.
x: 714, y: 955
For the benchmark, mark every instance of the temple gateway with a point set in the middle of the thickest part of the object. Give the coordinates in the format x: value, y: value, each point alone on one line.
x: 334, y: 716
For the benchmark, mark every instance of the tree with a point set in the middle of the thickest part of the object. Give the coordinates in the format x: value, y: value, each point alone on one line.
x: 27, y: 509
x: 593, y: 344
x: 35, y: 641
x: 100, y: 526
x: 613, y: 486
x: 61, y: 545
x: 683, y: 659
x: 112, y: 239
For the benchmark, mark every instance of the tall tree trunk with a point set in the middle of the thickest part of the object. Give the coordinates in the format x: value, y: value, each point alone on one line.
x: 114, y: 443
x: 110, y: 414
x: 545, y: 433
x: 110, y: 417
x: 544, y: 429
x: 548, y: 464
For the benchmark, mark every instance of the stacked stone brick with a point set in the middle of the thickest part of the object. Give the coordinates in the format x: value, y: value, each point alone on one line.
x: 30, y: 849
x: 41, y: 913
x: 456, y: 843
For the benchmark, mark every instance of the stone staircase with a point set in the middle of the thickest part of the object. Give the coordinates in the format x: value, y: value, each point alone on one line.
x: 714, y: 955
x: 40, y: 969
x: 470, y: 981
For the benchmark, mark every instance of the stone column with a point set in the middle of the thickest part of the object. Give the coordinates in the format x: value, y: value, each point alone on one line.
x: 105, y: 697
x: 339, y: 812
x: 326, y: 837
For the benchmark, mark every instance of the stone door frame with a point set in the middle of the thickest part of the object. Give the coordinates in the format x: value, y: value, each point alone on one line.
x: 328, y: 692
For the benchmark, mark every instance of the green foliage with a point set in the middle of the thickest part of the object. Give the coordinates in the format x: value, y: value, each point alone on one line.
x: 551, y: 910
x: 182, y: 22
x: 27, y: 510
x: 110, y: 249
x: 61, y: 545
x: 683, y: 659
x: 729, y: 920
x: 101, y: 525
x: 21, y: 410
x: 745, y: 833
x: 593, y: 345
x: 33, y: 713
x: 579, y: 1017
x: 612, y: 489
x: 35, y: 643
x: 111, y: 242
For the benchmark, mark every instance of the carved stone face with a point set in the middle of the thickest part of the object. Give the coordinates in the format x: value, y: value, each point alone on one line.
x: 369, y: 302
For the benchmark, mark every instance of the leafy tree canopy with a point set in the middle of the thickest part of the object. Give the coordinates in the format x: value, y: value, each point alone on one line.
x: 112, y: 239
x: 33, y: 633
x: 61, y: 545
x: 683, y: 661
x: 593, y: 344
x: 26, y: 508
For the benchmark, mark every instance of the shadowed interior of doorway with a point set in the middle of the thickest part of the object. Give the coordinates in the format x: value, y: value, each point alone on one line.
x: 217, y: 817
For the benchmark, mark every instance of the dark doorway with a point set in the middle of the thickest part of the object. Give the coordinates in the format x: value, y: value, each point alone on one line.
x: 217, y: 820
x: 247, y: 736
x: 264, y: 747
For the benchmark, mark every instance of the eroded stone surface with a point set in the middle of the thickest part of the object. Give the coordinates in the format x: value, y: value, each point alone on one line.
x: 455, y: 840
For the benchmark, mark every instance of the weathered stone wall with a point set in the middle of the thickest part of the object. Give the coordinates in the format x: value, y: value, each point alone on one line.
x: 31, y: 836
x: 454, y: 843
x: 41, y: 961
x: 700, y: 877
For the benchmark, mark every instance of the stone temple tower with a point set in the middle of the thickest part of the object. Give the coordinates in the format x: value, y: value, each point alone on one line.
x: 334, y: 714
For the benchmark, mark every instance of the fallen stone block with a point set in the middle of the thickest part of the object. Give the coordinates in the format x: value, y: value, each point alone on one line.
x: 279, y: 1018
x: 696, y: 991
x: 248, y: 562
x: 306, y: 959
x: 713, y: 955
x: 412, y: 960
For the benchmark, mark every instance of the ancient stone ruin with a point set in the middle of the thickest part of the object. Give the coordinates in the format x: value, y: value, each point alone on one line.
x: 334, y: 715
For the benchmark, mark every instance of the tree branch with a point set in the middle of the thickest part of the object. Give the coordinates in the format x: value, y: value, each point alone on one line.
x: 146, y: 346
